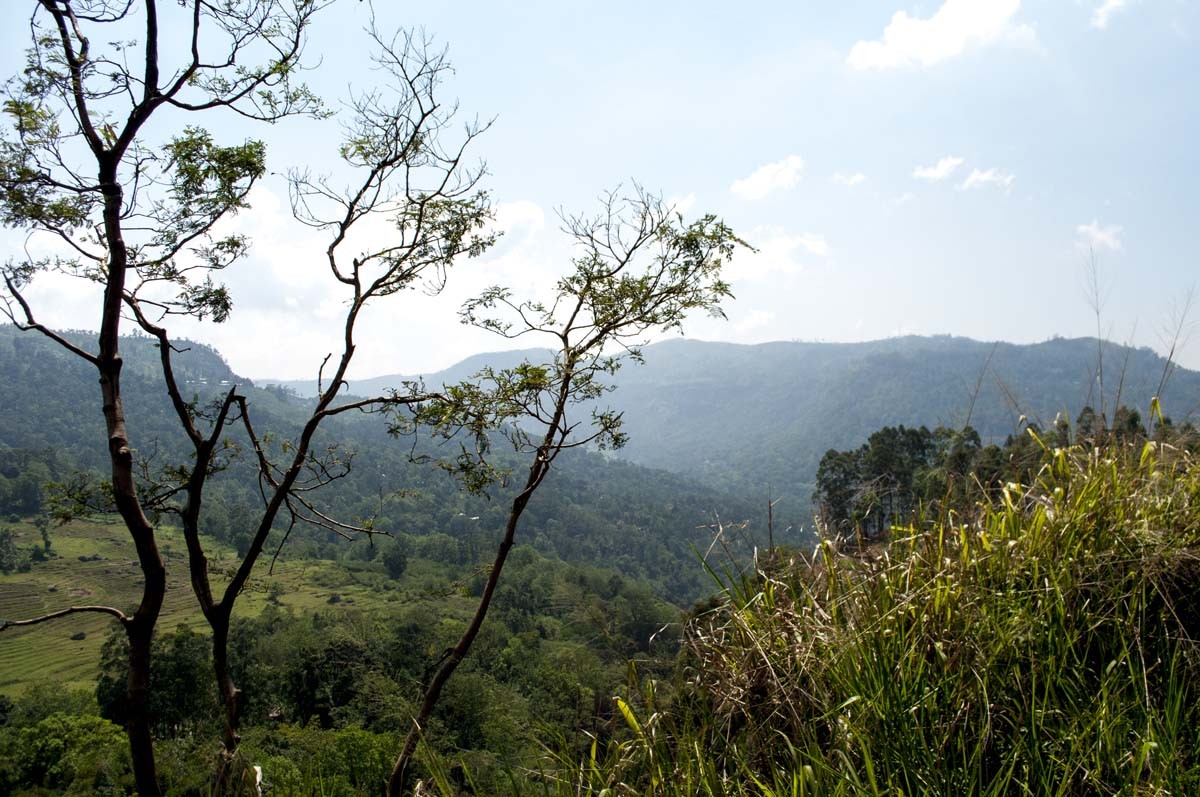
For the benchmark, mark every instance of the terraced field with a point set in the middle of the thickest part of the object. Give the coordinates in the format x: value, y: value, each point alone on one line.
x: 93, y: 566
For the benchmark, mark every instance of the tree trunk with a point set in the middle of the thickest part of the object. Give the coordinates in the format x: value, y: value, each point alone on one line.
x: 231, y: 696
x: 137, y: 717
x: 139, y: 628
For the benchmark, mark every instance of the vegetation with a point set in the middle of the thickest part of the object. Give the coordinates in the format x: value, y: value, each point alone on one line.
x: 861, y: 493
x: 1041, y: 644
x: 1035, y: 637
x: 324, y: 675
x: 976, y: 617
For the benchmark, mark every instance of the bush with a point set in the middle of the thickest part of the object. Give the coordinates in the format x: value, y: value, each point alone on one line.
x: 81, y: 754
x: 1042, y: 646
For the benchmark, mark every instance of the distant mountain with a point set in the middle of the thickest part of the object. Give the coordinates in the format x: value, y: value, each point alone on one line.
x: 595, y: 509
x: 767, y: 413
x: 51, y: 399
x: 379, y: 385
x: 732, y: 421
x: 745, y: 417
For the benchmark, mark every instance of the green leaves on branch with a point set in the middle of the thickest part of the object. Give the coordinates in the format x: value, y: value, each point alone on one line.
x: 207, y: 299
x: 641, y: 271
x: 28, y: 197
x: 207, y: 181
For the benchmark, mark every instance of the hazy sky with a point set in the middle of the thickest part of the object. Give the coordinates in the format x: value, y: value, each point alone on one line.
x: 902, y: 167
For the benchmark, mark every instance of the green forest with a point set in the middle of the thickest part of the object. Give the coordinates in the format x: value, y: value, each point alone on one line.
x: 611, y: 562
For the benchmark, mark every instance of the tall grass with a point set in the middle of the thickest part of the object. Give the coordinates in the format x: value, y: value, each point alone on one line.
x: 1040, y: 644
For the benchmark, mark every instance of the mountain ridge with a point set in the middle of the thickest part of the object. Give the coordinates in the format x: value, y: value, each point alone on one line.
x: 746, y: 416
x: 753, y: 419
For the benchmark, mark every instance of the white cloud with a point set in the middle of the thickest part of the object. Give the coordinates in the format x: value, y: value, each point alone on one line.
x: 754, y: 321
x: 779, y: 176
x: 777, y: 252
x: 1093, y: 236
x: 520, y: 216
x: 939, y: 171
x: 957, y: 25
x: 1105, y: 10
x: 813, y: 243
x: 851, y: 180
x: 682, y: 204
x: 981, y: 179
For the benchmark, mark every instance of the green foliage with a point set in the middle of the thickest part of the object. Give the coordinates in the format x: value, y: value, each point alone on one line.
x: 1043, y: 646
x: 394, y: 557
x: 861, y: 493
x: 309, y: 761
x: 11, y: 556
x: 183, y: 695
x: 80, y: 754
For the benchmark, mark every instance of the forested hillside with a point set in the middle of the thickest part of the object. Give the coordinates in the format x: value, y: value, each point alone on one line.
x: 742, y: 417
x: 649, y: 524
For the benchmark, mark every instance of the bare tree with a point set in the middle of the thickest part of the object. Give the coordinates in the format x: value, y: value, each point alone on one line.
x: 144, y: 229
x: 639, y: 270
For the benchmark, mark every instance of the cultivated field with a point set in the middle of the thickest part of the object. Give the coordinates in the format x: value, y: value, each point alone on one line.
x: 94, y: 565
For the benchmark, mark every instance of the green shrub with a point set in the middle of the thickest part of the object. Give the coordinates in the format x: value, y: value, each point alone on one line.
x: 1042, y: 645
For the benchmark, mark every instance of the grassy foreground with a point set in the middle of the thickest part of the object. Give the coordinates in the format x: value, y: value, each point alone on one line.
x: 1044, y: 645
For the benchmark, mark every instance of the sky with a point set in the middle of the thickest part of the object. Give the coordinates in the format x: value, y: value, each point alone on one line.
x: 900, y: 167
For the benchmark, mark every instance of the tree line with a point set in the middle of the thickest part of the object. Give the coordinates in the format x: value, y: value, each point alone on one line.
x: 862, y: 492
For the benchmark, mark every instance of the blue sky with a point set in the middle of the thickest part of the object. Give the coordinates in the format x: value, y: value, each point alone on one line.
x: 902, y: 167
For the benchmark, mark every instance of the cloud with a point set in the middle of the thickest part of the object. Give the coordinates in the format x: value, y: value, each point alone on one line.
x: 940, y: 171
x: 781, y: 175
x: 957, y: 25
x: 777, y: 252
x: 682, y: 204
x: 754, y: 321
x: 981, y: 179
x: 1093, y: 236
x: 1105, y: 10
x: 850, y: 180
x: 520, y: 215
x: 813, y: 243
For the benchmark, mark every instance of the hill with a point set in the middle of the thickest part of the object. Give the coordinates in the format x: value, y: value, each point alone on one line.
x: 742, y: 417
x: 767, y: 413
x: 729, y: 420
x: 595, y: 509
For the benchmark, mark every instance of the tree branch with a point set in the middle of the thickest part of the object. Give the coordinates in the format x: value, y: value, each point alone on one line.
x: 31, y: 324
x: 6, y: 624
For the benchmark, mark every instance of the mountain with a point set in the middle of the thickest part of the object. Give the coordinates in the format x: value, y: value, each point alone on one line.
x: 767, y: 413
x: 594, y: 510
x: 460, y: 371
x: 712, y: 426
x: 749, y: 417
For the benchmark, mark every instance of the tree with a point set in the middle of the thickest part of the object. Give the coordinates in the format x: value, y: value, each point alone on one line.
x: 395, y: 558
x: 838, y: 481
x: 140, y: 217
x: 182, y: 697
x: 639, y: 270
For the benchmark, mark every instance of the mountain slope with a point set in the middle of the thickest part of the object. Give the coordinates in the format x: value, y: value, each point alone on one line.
x: 593, y: 510
x: 769, y: 412
x: 745, y: 417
